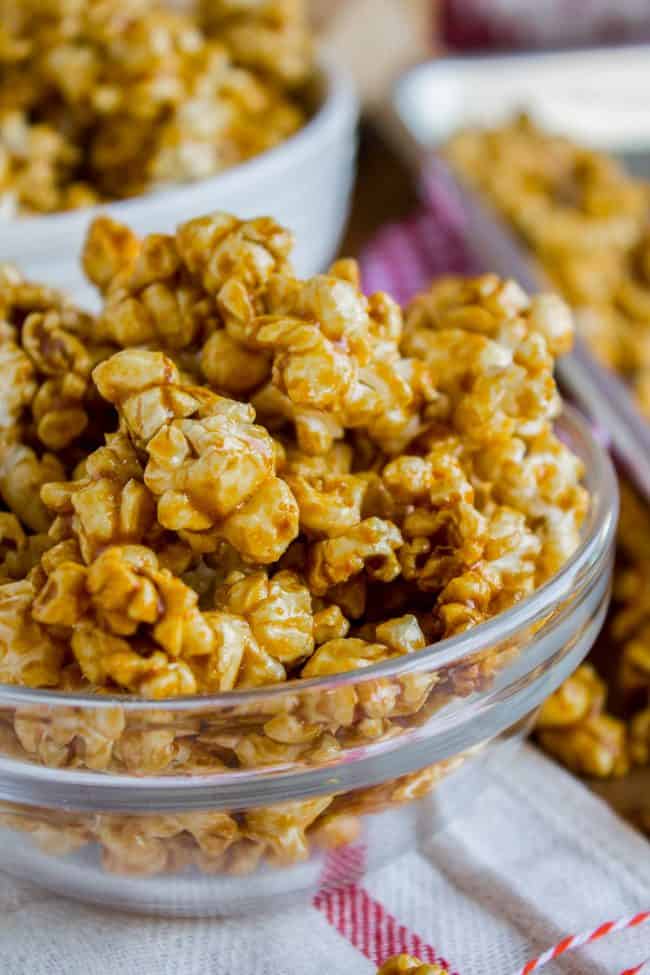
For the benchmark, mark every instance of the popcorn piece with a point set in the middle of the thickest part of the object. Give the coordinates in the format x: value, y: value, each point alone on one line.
x: 175, y: 648
x: 328, y: 505
x: 150, y: 300
x: 541, y: 478
x: 581, y: 695
x: 444, y: 533
x: 28, y: 654
x: 584, y: 218
x: 47, y: 350
x: 82, y: 737
x: 210, y: 468
x: 596, y: 746
x: 338, y: 656
x: 281, y: 828
x: 504, y: 575
x: 22, y: 475
x: 136, y: 96
x: 640, y: 737
x: 109, y: 506
x: 269, y: 35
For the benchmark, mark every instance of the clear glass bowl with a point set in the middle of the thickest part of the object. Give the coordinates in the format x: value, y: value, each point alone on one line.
x: 247, y: 800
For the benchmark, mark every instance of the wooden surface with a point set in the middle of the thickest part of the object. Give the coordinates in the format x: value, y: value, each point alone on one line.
x: 383, y: 192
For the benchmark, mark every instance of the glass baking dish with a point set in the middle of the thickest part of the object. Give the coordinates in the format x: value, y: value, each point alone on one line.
x: 247, y: 800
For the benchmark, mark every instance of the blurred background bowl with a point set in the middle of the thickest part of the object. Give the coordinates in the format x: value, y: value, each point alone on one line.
x: 305, y: 183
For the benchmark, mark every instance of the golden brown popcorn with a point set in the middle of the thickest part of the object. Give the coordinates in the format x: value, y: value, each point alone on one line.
x: 596, y: 746
x: 407, y: 963
x: 504, y: 574
x: 338, y: 656
x: 37, y: 163
x: 271, y: 36
x: 635, y: 659
x: 62, y: 362
x: 109, y: 505
x: 490, y: 349
x: 210, y: 468
x: 135, y: 844
x: 47, y: 352
x: 282, y: 828
x: 335, y: 361
x: 329, y: 505
x: 573, y: 727
x: 151, y: 299
x: 539, y: 477
x: 584, y: 219
x: 82, y: 737
x: 562, y: 197
x: 329, y: 624
x: 639, y: 737
x: 101, y: 101
x: 413, y: 489
x: 369, y: 546
x: 19, y: 384
x: 277, y: 609
x: 174, y: 647
x: 110, y: 248
x: 29, y: 655
x: 444, y: 532
x: 13, y: 542
x: 579, y: 696
x: 335, y: 830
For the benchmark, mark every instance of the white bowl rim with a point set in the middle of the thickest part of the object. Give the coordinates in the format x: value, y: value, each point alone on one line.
x: 338, y: 112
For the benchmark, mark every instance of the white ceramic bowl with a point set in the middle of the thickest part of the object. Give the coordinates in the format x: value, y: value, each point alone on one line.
x: 305, y: 183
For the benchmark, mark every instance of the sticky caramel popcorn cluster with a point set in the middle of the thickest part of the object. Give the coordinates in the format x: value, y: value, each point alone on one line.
x: 239, y: 478
x: 585, y: 219
x: 101, y: 100
x: 399, y: 964
x: 234, y: 843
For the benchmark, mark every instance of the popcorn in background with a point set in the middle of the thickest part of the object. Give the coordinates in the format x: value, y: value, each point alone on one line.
x: 100, y: 101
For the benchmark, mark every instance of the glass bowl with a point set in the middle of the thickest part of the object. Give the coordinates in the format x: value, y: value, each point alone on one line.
x: 248, y: 800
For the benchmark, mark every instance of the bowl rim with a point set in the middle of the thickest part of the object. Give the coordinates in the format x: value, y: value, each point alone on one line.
x: 597, y: 533
x: 338, y: 109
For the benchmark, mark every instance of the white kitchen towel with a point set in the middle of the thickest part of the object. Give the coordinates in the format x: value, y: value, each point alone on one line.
x: 534, y: 858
